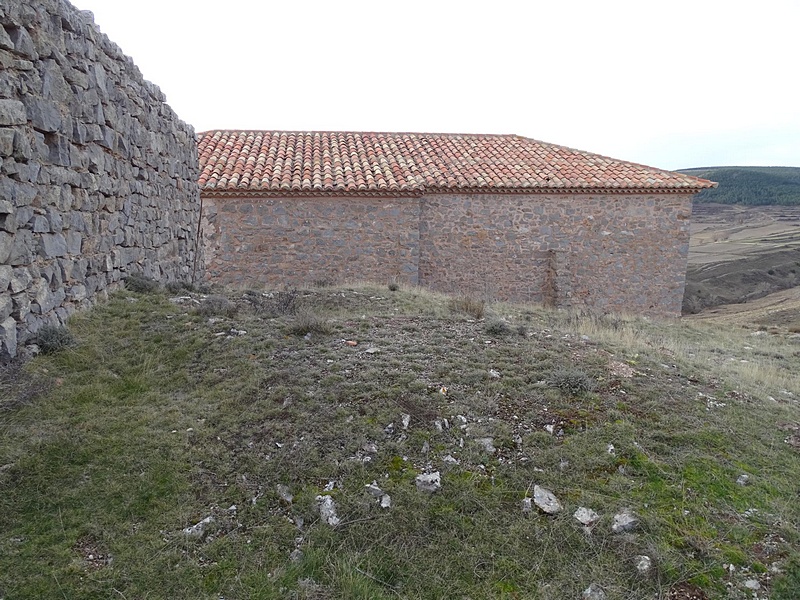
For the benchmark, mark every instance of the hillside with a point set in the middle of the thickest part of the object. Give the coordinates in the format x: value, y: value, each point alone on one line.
x: 750, y: 185
x: 740, y: 253
x: 358, y: 442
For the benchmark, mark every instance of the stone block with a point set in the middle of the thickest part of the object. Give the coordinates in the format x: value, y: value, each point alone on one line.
x: 44, y: 114
x: 23, y: 44
x: 6, y: 246
x: 12, y: 112
x: 40, y: 224
x: 6, y: 306
x: 21, y: 279
x: 8, y: 338
x: 6, y: 142
x: 5, y: 277
x: 74, y: 242
x: 5, y: 40
x: 22, y: 306
x: 53, y: 245
x: 22, y: 149
x: 8, y: 221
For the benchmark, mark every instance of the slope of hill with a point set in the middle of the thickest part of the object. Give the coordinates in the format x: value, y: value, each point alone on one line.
x: 358, y: 442
x: 750, y: 185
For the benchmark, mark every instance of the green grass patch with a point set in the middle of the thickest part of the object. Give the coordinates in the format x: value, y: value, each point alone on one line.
x: 163, y: 415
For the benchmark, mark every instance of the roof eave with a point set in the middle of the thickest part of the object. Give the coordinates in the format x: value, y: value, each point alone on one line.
x: 416, y: 193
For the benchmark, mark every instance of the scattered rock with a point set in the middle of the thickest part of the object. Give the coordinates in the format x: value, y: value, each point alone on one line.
x: 593, y: 592
x: 198, y: 529
x: 527, y: 505
x: 624, y: 521
x: 546, y: 501
x: 372, y: 350
x: 374, y: 490
x: 494, y: 374
x: 487, y: 443
x: 429, y: 482
x: 386, y: 501
x: 370, y: 447
x: 619, y: 369
x: 586, y: 516
x: 406, y: 420
x: 752, y: 584
x: 296, y: 555
x: 284, y: 493
x: 743, y: 479
x: 327, y: 510
x: 686, y: 591
x: 611, y: 450
x: 449, y: 459
x: 643, y: 564
x: 351, y: 342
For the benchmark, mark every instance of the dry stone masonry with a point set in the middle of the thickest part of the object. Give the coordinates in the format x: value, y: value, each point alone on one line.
x: 98, y: 176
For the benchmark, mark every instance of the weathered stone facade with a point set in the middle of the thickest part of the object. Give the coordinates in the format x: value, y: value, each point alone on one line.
x: 606, y: 252
x: 98, y: 176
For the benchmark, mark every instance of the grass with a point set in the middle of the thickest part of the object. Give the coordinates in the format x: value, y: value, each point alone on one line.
x: 159, y: 417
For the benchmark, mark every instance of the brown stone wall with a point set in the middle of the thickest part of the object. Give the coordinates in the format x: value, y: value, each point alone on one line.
x: 602, y: 252
x: 624, y: 253
x: 301, y: 241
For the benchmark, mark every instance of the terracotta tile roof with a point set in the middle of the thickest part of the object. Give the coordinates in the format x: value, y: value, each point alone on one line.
x: 350, y: 163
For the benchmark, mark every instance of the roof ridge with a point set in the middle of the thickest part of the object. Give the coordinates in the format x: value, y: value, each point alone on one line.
x: 356, y: 132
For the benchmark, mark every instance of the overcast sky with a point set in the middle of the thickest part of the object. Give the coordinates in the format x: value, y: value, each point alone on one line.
x: 683, y: 83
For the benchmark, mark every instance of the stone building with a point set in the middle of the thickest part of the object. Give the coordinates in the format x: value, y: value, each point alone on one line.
x: 500, y: 216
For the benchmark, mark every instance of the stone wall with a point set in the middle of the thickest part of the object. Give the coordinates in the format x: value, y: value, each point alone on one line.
x: 610, y: 253
x: 97, y: 174
x: 302, y: 241
x: 623, y: 253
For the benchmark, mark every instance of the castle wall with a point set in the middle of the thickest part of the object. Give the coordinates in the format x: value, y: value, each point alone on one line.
x: 604, y: 252
x: 97, y: 173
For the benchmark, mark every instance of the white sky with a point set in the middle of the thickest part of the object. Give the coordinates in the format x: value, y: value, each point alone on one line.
x: 683, y: 83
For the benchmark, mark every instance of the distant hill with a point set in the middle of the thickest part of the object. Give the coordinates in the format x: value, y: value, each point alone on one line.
x: 750, y: 185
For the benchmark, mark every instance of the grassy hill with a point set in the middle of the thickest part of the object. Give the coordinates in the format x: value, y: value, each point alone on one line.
x: 750, y: 185
x: 189, y: 447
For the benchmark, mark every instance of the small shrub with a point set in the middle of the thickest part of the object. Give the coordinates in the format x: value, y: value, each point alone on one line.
x: 176, y: 287
x: 522, y: 330
x: 394, y: 286
x: 468, y: 305
x: 217, y: 306
x: 571, y: 381
x: 141, y: 284
x: 497, y: 327
x: 308, y: 322
x: 52, y: 338
x: 285, y: 302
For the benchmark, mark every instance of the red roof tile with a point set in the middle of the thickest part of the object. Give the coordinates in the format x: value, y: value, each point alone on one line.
x: 351, y: 163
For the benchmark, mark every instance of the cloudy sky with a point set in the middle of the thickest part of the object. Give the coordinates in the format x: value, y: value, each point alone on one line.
x: 684, y: 83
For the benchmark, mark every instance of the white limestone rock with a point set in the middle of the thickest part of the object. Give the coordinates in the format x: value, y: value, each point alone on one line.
x: 546, y: 501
